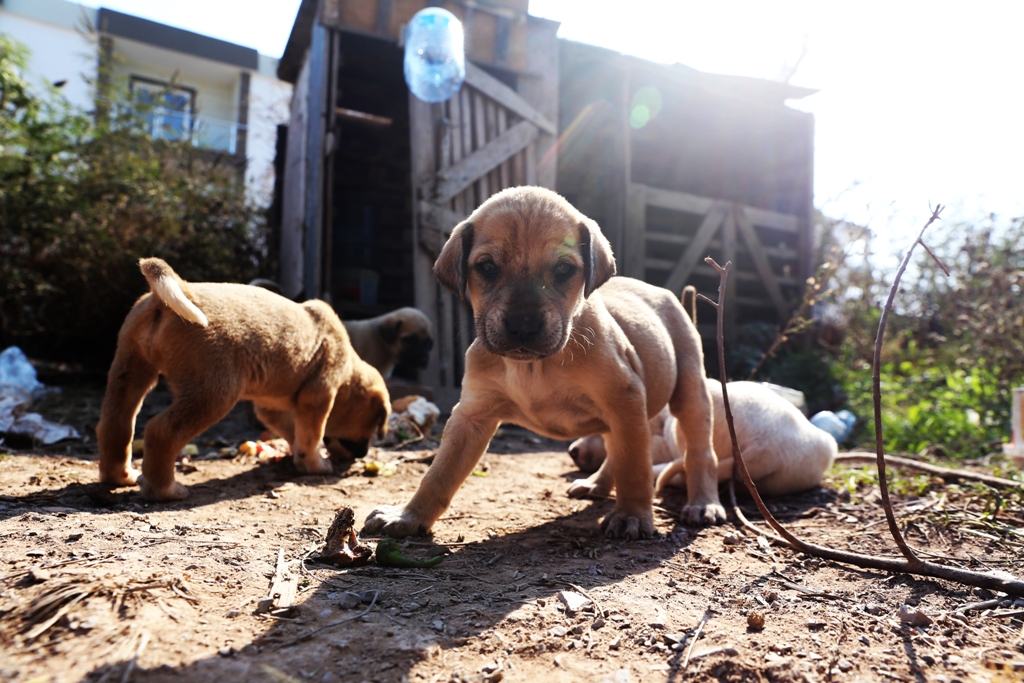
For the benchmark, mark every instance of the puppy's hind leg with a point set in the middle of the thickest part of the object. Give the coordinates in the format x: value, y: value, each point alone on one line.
x: 191, y: 413
x: 128, y: 382
x: 281, y: 422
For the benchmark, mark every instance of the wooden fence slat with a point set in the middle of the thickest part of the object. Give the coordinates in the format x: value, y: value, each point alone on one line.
x: 684, y: 268
x: 458, y: 119
x: 504, y: 170
x: 480, y: 133
x: 764, y: 268
x: 636, y: 221
x: 506, y: 97
x: 457, y: 177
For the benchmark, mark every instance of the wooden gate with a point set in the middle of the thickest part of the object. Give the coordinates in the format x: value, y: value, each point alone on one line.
x: 464, y: 150
x: 668, y: 235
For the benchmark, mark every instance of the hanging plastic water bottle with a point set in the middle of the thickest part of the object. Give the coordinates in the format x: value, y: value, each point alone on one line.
x: 435, y: 57
x: 839, y: 425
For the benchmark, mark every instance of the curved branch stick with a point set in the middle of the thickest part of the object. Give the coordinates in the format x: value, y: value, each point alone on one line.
x: 876, y: 384
x: 993, y: 580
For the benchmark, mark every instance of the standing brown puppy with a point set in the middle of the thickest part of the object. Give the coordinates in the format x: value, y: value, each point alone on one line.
x: 566, y: 350
x: 217, y: 343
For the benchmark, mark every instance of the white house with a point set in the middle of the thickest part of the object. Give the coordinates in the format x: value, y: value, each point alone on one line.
x: 222, y: 96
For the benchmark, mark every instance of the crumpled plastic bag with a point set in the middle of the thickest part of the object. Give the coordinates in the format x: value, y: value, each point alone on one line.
x: 18, y: 386
x: 412, y: 418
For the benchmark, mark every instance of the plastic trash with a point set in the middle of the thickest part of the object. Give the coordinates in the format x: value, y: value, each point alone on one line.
x: 18, y: 386
x: 15, y: 369
x: 1015, y: 449
x: 839, y: 425
x: 435, y: 56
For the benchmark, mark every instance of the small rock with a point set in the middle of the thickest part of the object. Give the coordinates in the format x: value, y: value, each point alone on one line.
x: 781, y: 648
x: 573, y: 601
x: 232, y: 614
x: 558, y: 661
x: 657, y: 623
x: 349, y: 600
x: 928, y: 659
x: 226, y: 651
x: 864, y: 639
x: 872, y: 608
x: 732, y: 538
x: 88, y: 624
x: 558, y: 632
x: 616, y: 642
x: 955, y: 660
x: 984, y: 593
x: 367, y: 596
x: 75, y: 537
x: 38, y: 575
x: 815, y: 622
x: 844, y: 665
x: 909, y: 615
x: 324, y: 614
x: 598, y: 623
x: 755, y: 619
x: 35, y: 553
x: 438, y: 625
x: 673, y: 638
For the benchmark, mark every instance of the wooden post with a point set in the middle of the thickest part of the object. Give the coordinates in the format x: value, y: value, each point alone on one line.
x: 423, y: 146
x: 242, y: 134
x: 312, y: 272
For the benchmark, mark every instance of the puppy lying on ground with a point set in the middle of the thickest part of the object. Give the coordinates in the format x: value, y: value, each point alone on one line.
x: 566, y: 350
x: 217, y: 343
x: 400, y: 337
x: 784, y: 452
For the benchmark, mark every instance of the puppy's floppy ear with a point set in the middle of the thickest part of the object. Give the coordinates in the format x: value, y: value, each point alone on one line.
x: 598, y: 261
x: 452, y: 267
x: 389, y: 331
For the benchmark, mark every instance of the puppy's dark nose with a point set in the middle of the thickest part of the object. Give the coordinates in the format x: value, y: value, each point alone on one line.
x: 523, y: 326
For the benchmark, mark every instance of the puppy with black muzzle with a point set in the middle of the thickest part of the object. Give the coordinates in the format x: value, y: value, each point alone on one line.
x: 566, y: 350
x: 399, y: 338
x: 217, y: 343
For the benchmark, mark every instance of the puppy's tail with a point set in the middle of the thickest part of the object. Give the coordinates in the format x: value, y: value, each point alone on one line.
x: 668, y: 432
x: 170, y: 289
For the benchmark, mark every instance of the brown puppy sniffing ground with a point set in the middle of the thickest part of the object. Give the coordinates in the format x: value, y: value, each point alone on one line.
x: 566, y: 350
x: 218, y: 343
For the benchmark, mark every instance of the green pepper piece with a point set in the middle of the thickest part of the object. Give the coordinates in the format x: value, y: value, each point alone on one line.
x: 389, y: 554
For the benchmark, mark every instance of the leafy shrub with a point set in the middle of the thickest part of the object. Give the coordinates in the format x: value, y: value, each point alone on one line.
x: 83, y: 197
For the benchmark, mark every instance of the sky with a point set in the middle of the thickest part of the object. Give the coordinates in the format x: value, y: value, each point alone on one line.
x: 919, y: 103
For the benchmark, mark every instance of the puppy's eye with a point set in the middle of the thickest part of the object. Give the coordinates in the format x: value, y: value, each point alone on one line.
x: 563, y: 270
x: 487, y: 269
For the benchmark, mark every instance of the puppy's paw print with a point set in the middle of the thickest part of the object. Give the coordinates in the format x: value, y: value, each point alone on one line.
x: 584, y: 488
x: 628, y: 526
x: 703, y: 514
x: 393, y: 521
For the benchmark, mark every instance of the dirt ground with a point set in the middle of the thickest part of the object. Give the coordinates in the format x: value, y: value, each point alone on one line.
x: 98, y: 587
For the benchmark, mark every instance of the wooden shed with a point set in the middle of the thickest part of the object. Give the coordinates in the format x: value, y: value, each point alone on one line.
x: 374, y: 179
x: 676, y: 164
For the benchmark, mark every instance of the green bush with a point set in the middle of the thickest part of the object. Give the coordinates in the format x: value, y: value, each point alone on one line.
x: 83, y: 196
x: 954, y: 347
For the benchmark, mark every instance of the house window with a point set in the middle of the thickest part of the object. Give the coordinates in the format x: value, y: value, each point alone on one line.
x: 168, y: 109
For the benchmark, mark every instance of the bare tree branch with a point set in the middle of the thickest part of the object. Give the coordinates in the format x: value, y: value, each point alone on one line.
x: 944, y: 472
x: 993, y: 580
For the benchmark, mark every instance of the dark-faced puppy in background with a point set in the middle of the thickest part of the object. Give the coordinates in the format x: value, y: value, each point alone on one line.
x: 566, y: 350
x: 399, y: 338
x: 217, y: 343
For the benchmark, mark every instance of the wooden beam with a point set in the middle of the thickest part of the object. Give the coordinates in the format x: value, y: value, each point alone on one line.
x: 693, y: 254
x: 764, y: 268
x: 507, y: 97
x: 691, y: 203
x: 436, y: 223
x: 457, y: 177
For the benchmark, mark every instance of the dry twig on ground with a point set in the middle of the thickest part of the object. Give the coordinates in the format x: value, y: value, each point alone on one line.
x: 994, y: 580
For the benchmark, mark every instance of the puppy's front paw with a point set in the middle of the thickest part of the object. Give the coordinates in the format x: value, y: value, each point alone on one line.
x: 620, y: 524
x: 313, y: 463
x: 584, y: 488
x: 393, y: 521
x: 174, y: 491
x: 129, y: 476
x: 703, y: 513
